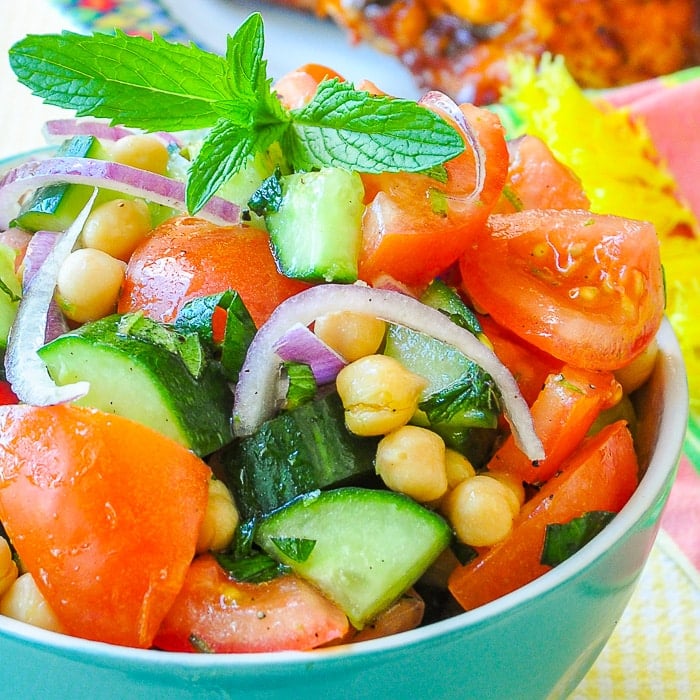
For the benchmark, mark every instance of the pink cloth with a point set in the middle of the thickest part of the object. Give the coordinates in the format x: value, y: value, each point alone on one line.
x: 681, y: 519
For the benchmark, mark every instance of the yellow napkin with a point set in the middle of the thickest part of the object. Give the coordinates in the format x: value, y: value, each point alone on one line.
x: 654, y: 652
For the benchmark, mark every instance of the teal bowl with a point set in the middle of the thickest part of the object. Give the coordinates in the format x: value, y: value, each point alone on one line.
x: 537, y: 642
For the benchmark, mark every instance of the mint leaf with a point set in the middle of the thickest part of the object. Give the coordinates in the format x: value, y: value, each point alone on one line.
x: 196, y: 317
x: 186, y: 346
x: 227, y: 146
x: 130, y: 80
x: 238, y: 335
x: 301, y: 384
x: 348, y: 128
x: 268, y: 197
x: 561, y: 540
x: 251, y: 568
x: 244, y: 54
x: 474, y: 395
x: 298, y: 549
x: 250, y: 123
x: 249, y: 80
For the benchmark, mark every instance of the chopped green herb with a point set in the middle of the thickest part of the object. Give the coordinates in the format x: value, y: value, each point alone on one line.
x: 186, y: 346
x: 268, y: 197
x: 510, y: 194
x: 298, y: 549
x: 438, y: 202
x: 199, y: 645
x: 474, y: 393
x: 301, y: 384
x: 464, y: 552
x: 256, y: 567
x: 563, y: 540
x: 196, y: 316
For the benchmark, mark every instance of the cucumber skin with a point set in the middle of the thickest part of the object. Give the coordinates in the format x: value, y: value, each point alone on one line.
x: 194, y: 412
x: 370, y: 545
x: 316, y: 233
x: 294, y: 453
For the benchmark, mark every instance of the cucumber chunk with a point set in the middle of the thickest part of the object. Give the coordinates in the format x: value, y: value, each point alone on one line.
x: 362, y: 548
x: 460, y: 401
x: 441, y: 296
x: 316, y: 231
x: 294, y: 453
x: 144, y: 381
x: 241, y: 187
x: 10, y: 292
x: 54, y: 207
x: 439, y: 363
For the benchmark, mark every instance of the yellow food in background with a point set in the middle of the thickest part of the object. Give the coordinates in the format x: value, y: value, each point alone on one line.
x: 621, y: 173
x: 612, y: 154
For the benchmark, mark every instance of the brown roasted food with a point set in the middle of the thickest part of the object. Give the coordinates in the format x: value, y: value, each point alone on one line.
x: 460, y: 46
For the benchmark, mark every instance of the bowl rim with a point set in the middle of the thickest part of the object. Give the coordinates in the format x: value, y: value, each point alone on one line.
x: 671, y: 433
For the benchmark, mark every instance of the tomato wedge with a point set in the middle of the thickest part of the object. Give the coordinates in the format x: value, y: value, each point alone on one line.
x: 216, y: 613
x: 188, y: 257
x: 414, y: 226
x: 566, y: 408
x: 297, y: 88
x: 601, y: 475
x: 104, y: 513
x: 529, y: 365
x: 537, y: 180
x: 586, y: 288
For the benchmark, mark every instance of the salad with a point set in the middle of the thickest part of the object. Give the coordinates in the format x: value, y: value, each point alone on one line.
x: 300, y: 364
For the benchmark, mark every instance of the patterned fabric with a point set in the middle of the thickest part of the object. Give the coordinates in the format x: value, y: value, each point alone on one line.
x: 131, y: 16
x: 654, y: 651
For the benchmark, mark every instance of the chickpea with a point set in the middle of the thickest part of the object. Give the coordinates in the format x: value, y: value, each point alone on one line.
x: 458, y: 468
x: 88, y: 284
x: 633, y: 375
x: 411, y: 460
x: 378, y: 393
x: 350, y: 334
x: 480, y: 511
x: 514, y: 485
x: 143, y: 151
x: 220, y: 519
x: 116, y: 227
x: 24, y: 601
x: 8, y: 568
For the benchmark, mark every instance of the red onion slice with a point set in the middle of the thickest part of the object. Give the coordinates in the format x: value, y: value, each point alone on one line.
x: 65, y: 128
x: 38, y: 249
x: 24, y: 368
x: 60, y: 129
x: 450, y: 108
x: 256, y: 390
x: 106, y: 174
x: 300, y: 344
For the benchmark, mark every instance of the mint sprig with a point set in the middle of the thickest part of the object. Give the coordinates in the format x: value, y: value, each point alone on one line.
x: 158, y: 86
